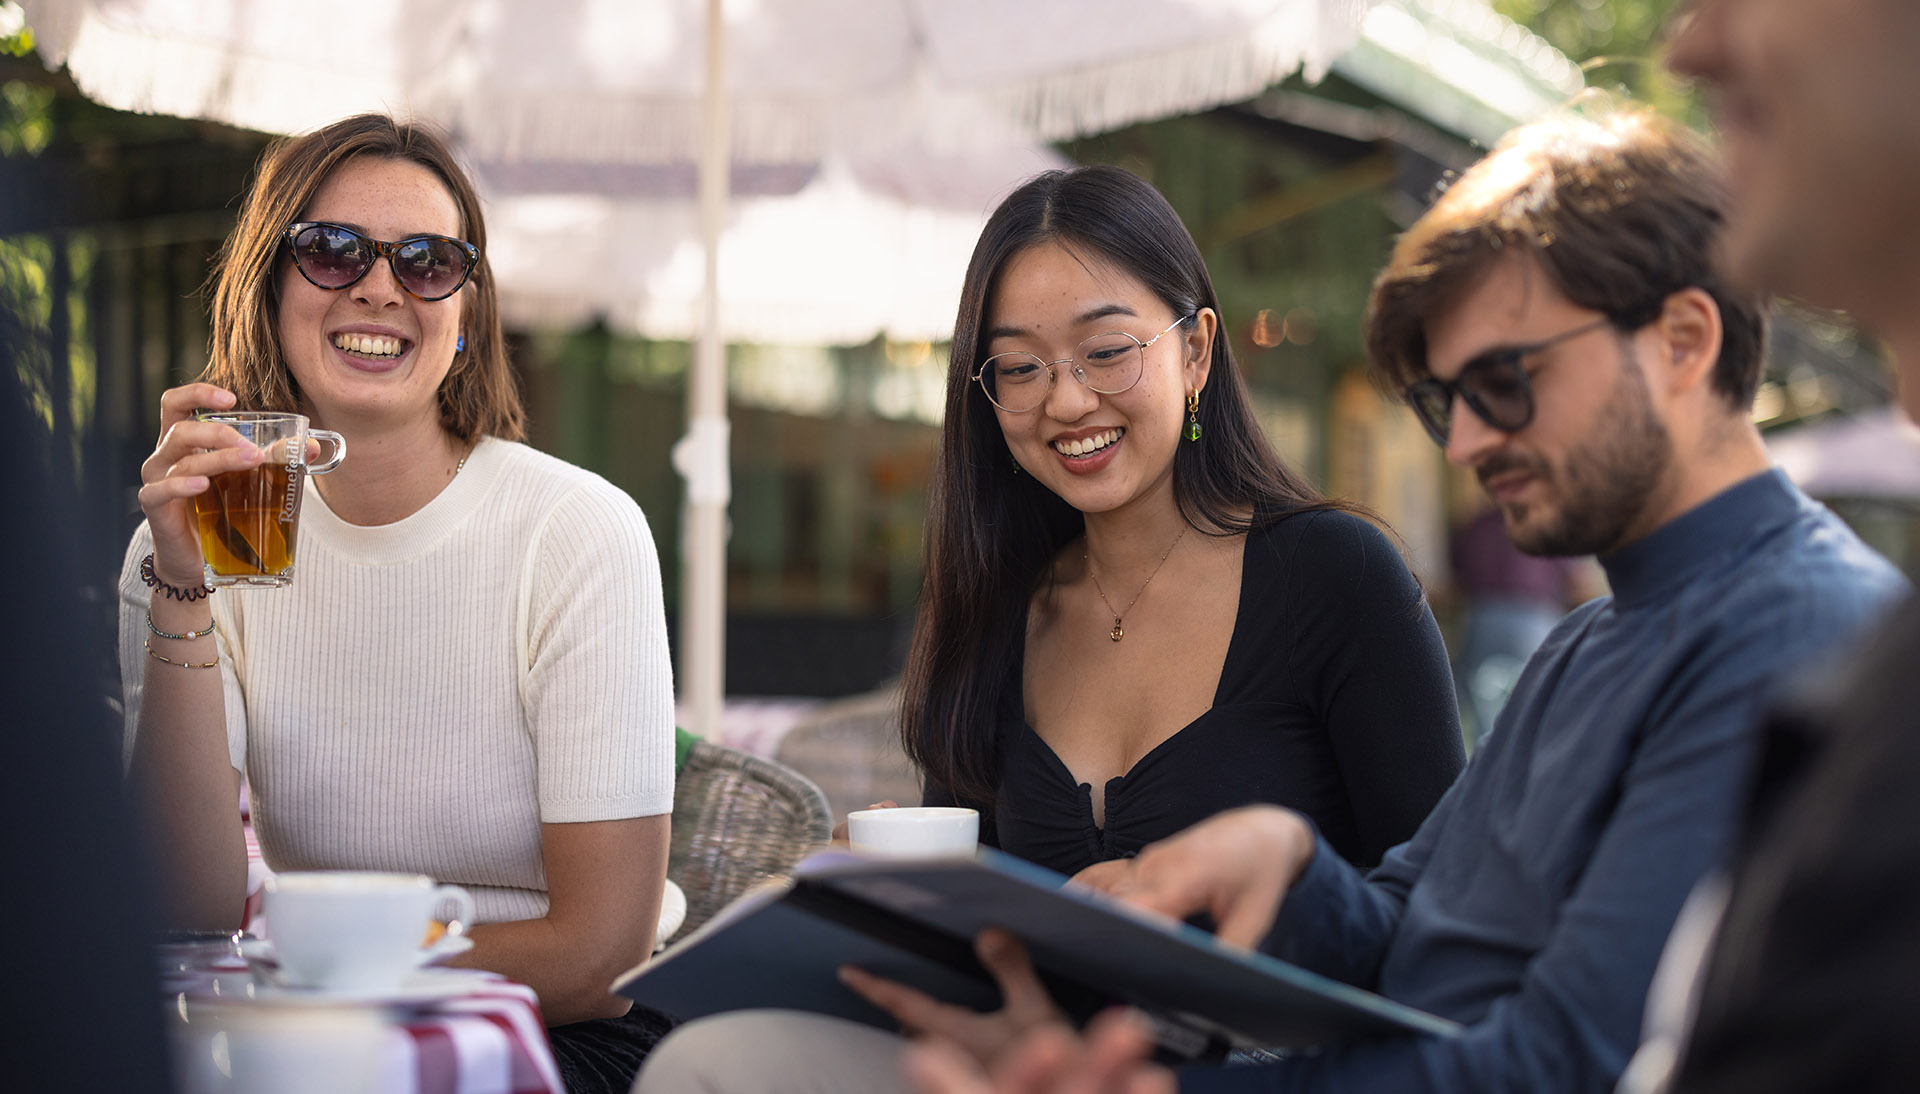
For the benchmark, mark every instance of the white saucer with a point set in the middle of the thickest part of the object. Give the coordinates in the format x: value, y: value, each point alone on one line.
x: 420, y: 986
x: 448, y: 946
x: 261, y: 950
x: 673, y: 912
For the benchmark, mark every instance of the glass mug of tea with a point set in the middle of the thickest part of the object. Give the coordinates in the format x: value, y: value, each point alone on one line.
x: 249, y: 519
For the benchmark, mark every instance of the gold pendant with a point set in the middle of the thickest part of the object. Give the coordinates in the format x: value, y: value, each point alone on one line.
x: 1116, y: 633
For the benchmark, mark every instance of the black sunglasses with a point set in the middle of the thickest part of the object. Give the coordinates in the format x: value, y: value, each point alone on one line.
x: 1494, y: 385
x: 333, y: 256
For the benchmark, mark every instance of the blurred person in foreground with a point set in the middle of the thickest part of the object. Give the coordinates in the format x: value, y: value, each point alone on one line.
x: 1813, y: 980
x: 469, y: 677
x: 1135, y: 616
x: 1556, y: 321
x: 81, y: 999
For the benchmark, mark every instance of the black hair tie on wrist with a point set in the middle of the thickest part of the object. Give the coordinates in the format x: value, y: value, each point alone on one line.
x: 172, y: 592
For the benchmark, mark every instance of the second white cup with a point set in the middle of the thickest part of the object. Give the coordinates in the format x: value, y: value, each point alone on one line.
x: 916, y: 832
x: 354, y: 931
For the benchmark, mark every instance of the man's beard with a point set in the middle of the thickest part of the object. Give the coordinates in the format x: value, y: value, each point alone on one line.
x: 1602, y: 487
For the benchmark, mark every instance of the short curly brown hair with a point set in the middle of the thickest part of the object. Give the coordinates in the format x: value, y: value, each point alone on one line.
x: 1621, y: 211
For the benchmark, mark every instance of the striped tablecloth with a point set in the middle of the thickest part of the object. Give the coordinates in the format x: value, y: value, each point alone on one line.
x: 487, y: 1039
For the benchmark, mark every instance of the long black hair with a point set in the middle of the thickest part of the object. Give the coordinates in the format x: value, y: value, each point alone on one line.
x: 992, y: 535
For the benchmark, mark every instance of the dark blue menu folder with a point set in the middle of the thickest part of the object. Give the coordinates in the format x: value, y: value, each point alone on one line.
x: 913, y: 920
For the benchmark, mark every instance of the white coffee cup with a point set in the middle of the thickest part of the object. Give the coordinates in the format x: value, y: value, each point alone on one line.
x: 354, y: 931
x: 230, y: 1048
x: 916, y: 832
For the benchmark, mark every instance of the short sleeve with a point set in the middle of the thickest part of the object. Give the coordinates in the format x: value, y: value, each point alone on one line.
x: 598, y: 683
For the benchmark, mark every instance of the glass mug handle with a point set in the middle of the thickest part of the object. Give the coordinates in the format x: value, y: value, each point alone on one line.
x: 454, y: 894
x: 339, y: 450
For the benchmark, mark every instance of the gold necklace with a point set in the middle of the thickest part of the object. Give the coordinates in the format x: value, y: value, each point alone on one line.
x: 1117, y: 633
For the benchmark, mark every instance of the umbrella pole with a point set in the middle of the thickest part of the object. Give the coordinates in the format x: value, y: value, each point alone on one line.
x: 702, y: 456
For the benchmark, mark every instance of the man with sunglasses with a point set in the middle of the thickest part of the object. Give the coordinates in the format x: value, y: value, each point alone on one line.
x: 1556, y: 324
x: 1809, y: 978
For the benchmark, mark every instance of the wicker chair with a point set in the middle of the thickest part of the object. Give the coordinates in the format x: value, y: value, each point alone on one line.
x: 850, y: 748
x: 738, y: 820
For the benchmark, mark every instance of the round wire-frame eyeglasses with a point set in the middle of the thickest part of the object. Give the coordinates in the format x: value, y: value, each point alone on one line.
x: 1108, y: 363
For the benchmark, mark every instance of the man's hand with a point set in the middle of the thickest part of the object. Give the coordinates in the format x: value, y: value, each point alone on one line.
x: 1025, y: 1003
x: 1237, y: 867
x: 1111, y: 1059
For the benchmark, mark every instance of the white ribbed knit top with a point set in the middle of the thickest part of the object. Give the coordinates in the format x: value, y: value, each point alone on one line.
x: 428, y: 692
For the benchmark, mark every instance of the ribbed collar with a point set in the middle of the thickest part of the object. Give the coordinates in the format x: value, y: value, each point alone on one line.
x: 1681, y: 549
x: 410, y: 536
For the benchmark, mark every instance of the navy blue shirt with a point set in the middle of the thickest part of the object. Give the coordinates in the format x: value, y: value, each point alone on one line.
x: 1533, y: 903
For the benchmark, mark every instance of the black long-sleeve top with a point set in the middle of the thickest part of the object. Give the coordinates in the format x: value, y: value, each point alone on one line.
x: 1335, y: 700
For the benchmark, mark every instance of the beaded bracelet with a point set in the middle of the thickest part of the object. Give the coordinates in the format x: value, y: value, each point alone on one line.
x: 190, y: 634
x: 173, y: 593
x: 157, y: 656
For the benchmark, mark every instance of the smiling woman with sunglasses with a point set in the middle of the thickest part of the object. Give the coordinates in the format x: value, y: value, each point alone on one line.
x: 469, y: 677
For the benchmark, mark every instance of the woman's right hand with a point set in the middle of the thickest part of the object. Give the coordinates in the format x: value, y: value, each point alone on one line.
x: 840, y: 830
x: 190, y: 451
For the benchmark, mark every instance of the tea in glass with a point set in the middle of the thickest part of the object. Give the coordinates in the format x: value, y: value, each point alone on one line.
x: 250, y: 520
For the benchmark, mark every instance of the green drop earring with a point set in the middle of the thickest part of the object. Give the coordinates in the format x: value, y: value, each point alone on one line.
x: 1193, y: 415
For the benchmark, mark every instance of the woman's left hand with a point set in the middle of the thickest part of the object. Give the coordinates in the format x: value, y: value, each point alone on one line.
x: 1110, y: 1059
x: 840, y: 830
x: 1025, y: 1002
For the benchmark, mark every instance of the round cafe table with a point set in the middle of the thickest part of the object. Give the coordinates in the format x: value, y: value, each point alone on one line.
x: 450, y: 1031
x: 487, y: 1037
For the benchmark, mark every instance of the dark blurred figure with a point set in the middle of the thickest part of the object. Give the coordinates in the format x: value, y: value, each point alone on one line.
x: 1510, y: 601
x: 1813, y: 982
x: 82, y: 1010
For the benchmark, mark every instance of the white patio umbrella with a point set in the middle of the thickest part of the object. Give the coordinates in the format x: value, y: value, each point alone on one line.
x: 832, y: 256
x: 620, y: 80
x: 665, y: 81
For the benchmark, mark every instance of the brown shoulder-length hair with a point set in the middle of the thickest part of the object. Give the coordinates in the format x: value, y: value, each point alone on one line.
x: 992, y: 534
x: 478, y: 395
x: 1621, y: 211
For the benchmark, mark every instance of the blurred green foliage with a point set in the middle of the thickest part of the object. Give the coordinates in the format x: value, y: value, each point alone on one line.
x: 26, y: 125
x: 17, y: 43
x: 24, y: 308
x: 26, y: 118
x: 1619, y: 43
x: 1584, y: 29
x: 26, y: 316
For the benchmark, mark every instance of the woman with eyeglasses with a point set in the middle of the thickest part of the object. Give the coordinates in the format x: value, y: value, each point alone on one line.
x: 468, y: 678
x: 1134, y: 615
